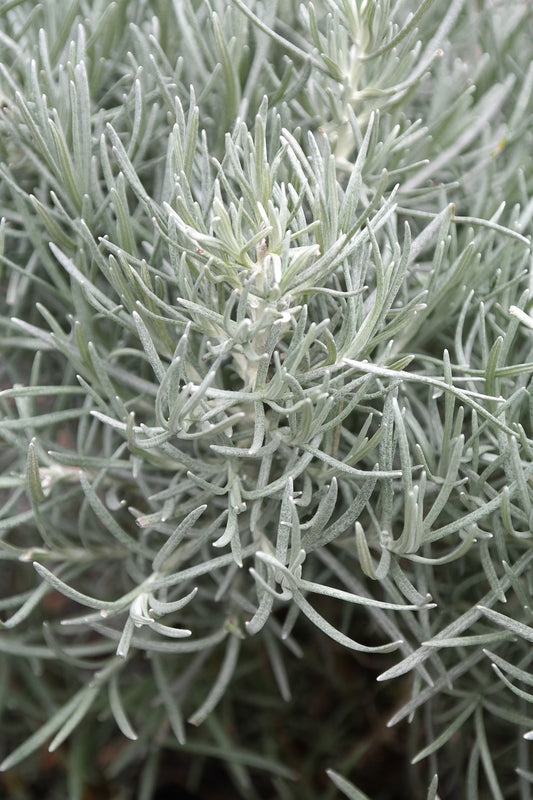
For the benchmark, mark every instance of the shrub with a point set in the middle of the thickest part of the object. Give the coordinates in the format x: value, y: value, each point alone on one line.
x: 265, y: 394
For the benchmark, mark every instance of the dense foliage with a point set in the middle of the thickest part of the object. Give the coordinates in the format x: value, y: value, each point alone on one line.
x: 266, y: 419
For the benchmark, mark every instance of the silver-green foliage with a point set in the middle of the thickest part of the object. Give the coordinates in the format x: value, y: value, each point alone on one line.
x: 266, y: 340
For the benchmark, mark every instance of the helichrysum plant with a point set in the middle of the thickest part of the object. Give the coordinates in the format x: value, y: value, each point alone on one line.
x: 265, y: 395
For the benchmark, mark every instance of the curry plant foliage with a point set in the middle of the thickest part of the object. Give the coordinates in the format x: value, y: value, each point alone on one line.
x: 266, y: 362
